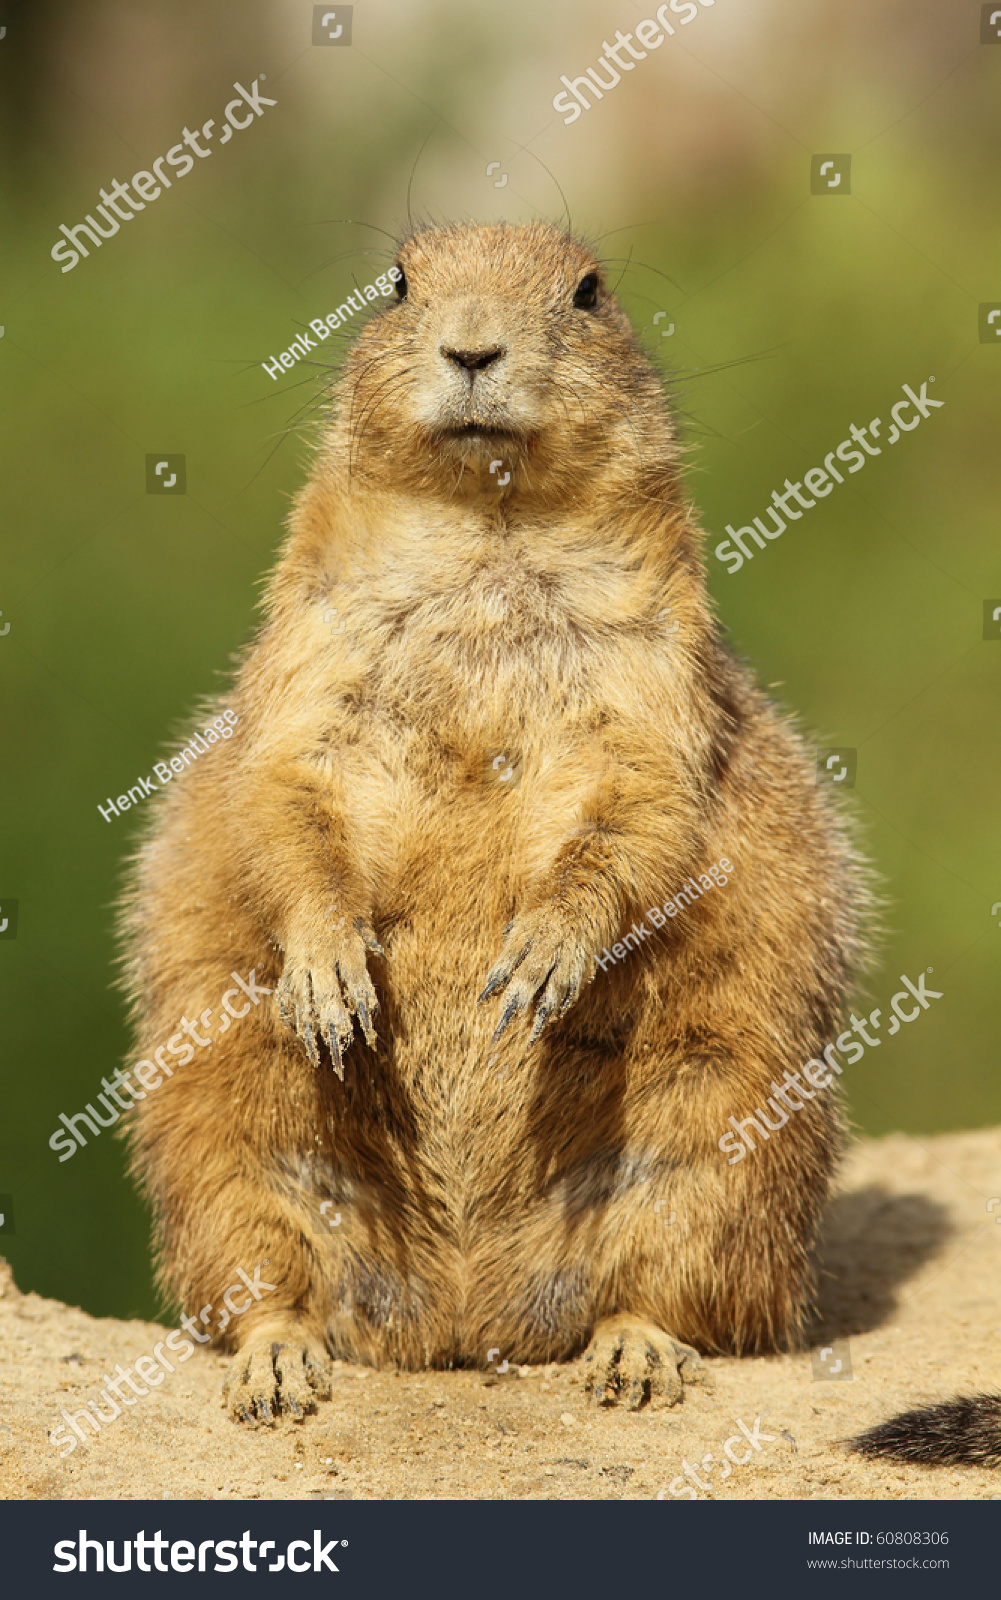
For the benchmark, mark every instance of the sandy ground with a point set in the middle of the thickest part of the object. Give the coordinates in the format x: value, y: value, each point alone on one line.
x: 910, y: 1277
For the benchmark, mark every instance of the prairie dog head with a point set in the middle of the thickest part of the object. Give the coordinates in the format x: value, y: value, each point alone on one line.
x: 504, y: 369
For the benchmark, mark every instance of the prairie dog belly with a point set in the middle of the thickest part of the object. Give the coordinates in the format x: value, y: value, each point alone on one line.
x: 467, y: 1177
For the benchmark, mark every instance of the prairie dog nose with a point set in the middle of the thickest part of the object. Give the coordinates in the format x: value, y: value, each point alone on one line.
x: 473, y: 360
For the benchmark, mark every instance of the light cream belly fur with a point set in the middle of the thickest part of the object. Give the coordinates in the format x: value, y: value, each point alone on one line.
x: 501, y: 1225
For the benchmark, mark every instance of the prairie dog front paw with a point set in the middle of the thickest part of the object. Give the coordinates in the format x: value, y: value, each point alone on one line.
x: 542, y: 961
x: 325, y: 984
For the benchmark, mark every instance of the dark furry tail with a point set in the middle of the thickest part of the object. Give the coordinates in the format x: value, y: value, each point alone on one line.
x: 965, y: 1432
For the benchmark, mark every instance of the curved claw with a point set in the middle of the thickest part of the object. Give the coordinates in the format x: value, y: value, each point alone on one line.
x: 366, y: 1024
x: 494, y: 982
x: 305, y: 1031
x: 505, y: 969
x: 334, y: 1046
x: 542, y: 1016
x: 510, y: 1012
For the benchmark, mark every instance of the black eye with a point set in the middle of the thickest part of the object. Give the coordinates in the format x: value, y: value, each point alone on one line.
x: 586, y: 297
x: 401, y: 285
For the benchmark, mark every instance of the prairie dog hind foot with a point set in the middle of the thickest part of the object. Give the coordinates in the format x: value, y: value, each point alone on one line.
x: 273, y: 1377
x: 633, y: 1362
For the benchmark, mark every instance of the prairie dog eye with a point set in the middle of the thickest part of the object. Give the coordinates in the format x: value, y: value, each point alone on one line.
x: 586, y: 296
x: 401, y: 284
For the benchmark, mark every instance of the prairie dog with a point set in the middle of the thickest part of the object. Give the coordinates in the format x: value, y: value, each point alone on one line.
x: 494, y: 556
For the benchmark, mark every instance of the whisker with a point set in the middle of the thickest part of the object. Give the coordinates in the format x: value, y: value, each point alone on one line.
x: 686, y: 374
x: 550, y: 174
x: 357, y: 399
x: 647, y: 267
x: 326, y: 222
x: 623, y: 272
x: 357, y: 432
x: 344, y: 256
x: 413, y: 173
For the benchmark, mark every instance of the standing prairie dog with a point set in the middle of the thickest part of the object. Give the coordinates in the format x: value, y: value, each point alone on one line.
x: 486, y: 723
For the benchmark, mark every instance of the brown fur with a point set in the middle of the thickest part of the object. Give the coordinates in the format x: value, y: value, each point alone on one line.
x: 492, y: 1196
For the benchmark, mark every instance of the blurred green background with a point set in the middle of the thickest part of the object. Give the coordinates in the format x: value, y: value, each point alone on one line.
x: 795, y: 315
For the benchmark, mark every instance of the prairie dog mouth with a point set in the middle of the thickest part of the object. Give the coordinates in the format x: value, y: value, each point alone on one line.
x: 481, y: 430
